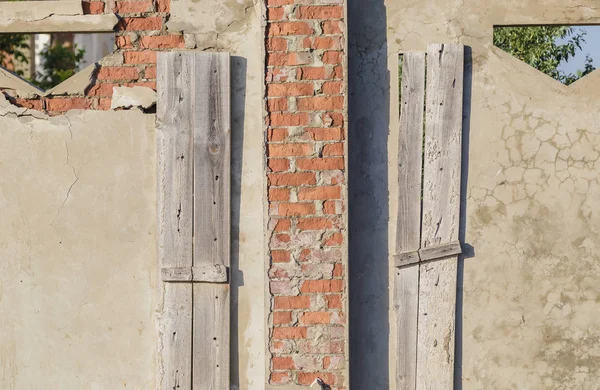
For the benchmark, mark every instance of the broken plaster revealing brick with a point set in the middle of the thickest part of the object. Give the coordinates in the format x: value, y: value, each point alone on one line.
x: 127, y: 97
x: 6, y: 108
x: 52, y: 16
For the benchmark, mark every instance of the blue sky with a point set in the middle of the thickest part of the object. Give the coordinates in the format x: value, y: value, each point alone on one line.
x: 591, y: 47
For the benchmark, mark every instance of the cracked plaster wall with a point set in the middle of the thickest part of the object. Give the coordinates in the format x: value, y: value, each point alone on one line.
x: 85, y: 287
x: 78, y: 250
x: 529, y: 295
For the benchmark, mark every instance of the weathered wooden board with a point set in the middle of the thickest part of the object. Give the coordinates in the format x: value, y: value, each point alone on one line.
x: 435, y: 252
x: 212, y: 124
x: 406, y: 258
x: 406, y: 288
x: 441, y: 210
x: 204, y: 272
x: 174, y: 142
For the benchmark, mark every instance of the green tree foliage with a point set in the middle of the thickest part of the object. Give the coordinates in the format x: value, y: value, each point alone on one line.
x: 59, y: 64
x: 13, y: 48
x: 545, y: 48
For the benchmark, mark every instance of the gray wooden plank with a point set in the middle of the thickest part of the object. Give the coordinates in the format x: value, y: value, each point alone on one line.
x: 435, y: 252
x: 209, y: 273
x: 440, y: 251
x: 211, y: 336
x: 407, y: 258
x: 441, y: 210
x: 410, y: 148
x: 409, y: 216
x: 174, y: 176
x: 211, y: 218
x: 406, y: 301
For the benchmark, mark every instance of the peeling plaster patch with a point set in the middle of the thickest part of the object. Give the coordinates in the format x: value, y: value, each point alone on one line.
x: 127, y: 97
x: 190, y: 41
x: 76, y: 84
x: 113, y: 59
x: 225, y: 21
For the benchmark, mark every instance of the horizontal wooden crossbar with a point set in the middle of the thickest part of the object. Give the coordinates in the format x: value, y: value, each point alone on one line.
x: 428, y: 254
x: 207, y: 273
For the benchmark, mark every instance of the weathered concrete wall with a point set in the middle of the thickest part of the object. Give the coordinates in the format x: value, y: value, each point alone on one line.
x: 78, y: 250
x: 528, y: 294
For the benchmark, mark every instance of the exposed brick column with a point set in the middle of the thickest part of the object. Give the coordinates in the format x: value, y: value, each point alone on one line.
x: 307, y: 189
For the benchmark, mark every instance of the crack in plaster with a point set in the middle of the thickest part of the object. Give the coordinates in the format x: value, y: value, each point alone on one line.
x: 70, y: 186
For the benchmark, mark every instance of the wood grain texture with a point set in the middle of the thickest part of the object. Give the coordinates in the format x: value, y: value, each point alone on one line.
x: 406, y: 301
x: 441, y: 210
x: 410, y: 149
x: 436, y: 252
x: 407, y: 258
x: 440, y: 251
x: 409, y: 216
x: 212, y: 124
x: 443, y: 135
x: 208, y: 273
x: 174, y: 144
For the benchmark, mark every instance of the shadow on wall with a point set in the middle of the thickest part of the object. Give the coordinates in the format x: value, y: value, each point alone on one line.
x: 238, y: 103
x: 368, y: 109
x: 468, y: 250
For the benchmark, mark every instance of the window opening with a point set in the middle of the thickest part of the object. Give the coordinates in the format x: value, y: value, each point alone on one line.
x: 46, y: 60
x: 565, y: 53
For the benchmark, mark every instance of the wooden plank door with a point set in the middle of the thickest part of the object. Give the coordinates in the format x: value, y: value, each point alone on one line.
x: 193, y: 136
x: 425, y: 285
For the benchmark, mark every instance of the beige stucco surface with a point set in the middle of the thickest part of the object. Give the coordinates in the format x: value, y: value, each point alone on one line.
x: 77, y: 250
x: 530, y: 294
x: 235, y: 26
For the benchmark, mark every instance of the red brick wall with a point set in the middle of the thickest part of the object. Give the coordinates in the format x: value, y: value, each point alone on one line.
x: 306, y: 189
x: 140, y: 33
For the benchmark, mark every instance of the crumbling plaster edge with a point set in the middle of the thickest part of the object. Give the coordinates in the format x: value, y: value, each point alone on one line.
x: 268, y: 298
x: 52, y: 16
x: 60, y: 23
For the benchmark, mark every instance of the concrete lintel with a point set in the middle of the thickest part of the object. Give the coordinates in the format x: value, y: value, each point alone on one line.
x: 59, y: 23
x: 25, y: 11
